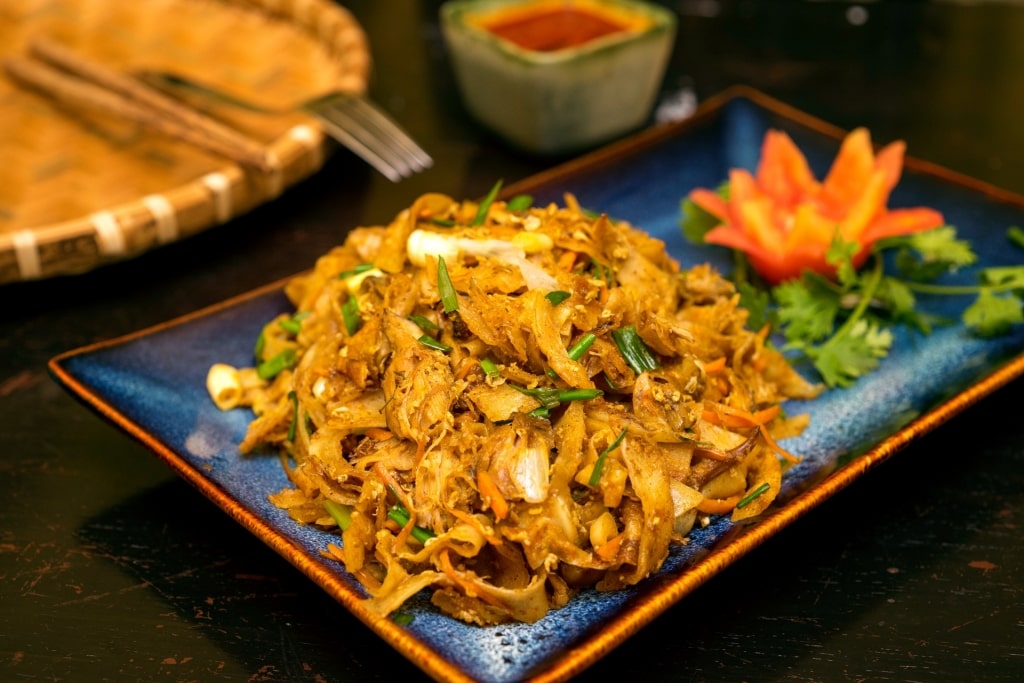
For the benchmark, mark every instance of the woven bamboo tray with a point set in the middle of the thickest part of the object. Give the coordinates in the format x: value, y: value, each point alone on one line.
x: 79, y: 190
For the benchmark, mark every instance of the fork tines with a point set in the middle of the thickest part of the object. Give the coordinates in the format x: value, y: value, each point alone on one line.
x: 369, y: 132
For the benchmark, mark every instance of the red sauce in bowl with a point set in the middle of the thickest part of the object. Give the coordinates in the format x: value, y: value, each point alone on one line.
x: 548, y: 29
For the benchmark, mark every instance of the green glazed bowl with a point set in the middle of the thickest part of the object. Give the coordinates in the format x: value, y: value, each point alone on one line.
x: 566, y: 100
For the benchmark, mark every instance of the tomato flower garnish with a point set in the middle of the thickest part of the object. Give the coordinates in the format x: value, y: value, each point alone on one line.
x: 784, y: 219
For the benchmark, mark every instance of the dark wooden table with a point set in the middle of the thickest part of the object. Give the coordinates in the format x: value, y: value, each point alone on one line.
x: 113, y: 569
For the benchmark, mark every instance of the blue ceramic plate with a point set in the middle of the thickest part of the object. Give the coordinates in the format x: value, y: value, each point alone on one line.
x: 152, y: 385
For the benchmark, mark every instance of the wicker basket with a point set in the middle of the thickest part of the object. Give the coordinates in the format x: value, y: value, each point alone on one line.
x: 79, y: 190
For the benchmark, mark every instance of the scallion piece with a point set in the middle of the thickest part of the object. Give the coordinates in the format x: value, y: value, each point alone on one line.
x: 490, y: 367
x: 425, y: 324
x: 633, y: 349
x: 577, y: 350
x: 342, y: 514
x: 557, y: 297
x: 294, y: 323
x: 445, y: 288
x: 261, y: 342
x: 521, y: 202
x: 443, y: 222
x: 293, y: 397
x: 271, y: 368
x: 756, y: 493
x: 595, y: 474
x: 357, y: 270
x: 551, y: 397
x: 400, y: 516
x: 601, y: 272
x: 402, y: 618
x: 432, y: 343
x: 350, y: 315
x: 485, y: 205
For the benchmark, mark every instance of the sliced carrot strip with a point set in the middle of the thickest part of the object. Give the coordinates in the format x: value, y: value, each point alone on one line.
x: 715, y: 366
x: 718, y: 506
x: 491, y: 495
x: 378, y: 434
x: 469, y: 519
x: 610, y: 548
x: 567, y: 260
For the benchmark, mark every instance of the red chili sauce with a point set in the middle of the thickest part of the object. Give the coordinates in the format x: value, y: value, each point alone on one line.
x: 547, y: 29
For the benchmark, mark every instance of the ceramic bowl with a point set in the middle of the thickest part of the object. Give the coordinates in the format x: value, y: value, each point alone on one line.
x: 554, y: 101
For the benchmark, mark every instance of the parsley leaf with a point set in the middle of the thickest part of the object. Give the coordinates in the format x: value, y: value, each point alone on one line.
x: 843, y: 359
x: 807, y: 308
x: 993, y: 314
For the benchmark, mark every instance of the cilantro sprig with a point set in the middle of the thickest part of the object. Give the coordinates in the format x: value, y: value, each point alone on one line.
x: 845, y: 326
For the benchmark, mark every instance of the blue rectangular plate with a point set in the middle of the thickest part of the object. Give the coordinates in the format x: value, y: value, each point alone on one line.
x: 152, y: 385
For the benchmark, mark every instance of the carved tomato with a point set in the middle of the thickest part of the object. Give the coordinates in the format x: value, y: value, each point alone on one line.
x: 784, y: 219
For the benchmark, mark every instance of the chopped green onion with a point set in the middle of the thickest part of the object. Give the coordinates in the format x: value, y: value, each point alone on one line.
x: 595, y: 474
x: 432, y: 343
x: 540, y: 412
x: 400, y: 516
x: 490, y: 367
x: 443, y: 222
x: 449, y: 300
x: 425, y: 324
x: 521, y: 202
x: 359, y: 269
x: 294, y: 323
x: 551, y: 397
x: 261, y: 342
x: 342, y: 514
x: 350, y: 315
x: 485, y: 205
x: 601, y: 272
x: 749, y: 498
x: 402, y: 618
x: 577, y: 350
x: 557, y: 297
x: 633, y: 349
x: 295, y: 414
x: 282, y: 361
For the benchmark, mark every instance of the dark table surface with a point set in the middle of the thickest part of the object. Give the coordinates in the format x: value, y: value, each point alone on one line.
x: 111, y: 568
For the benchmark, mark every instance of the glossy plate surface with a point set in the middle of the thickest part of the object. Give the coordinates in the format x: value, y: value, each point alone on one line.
x: 152, y: 385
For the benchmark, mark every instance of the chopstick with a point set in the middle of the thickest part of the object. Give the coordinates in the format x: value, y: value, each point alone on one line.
x: 75, y: 80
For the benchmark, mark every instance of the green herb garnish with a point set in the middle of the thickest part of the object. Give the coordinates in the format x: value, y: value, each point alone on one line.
x: 485, y: 205
x: 750, y: 497
x: 595, y: 474
x: 293, y: 397
x: 424, y: 323
x: 357, y: 270
x: 342, y: 514
x: 293, y: 324
x: 269, y: 369
x: 400, y: 516
x: 432, y: 343
x: 350, y: 315
x: 556, y: 297
x: 521, y: 202
x: 633, y: 350
x: 490, y: 368
x: 449, y: 300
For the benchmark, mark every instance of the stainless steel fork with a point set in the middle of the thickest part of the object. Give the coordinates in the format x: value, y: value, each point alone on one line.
x: 351, y: 119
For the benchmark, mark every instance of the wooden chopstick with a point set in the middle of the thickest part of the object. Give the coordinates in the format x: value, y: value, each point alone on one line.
x: 79, y: 81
